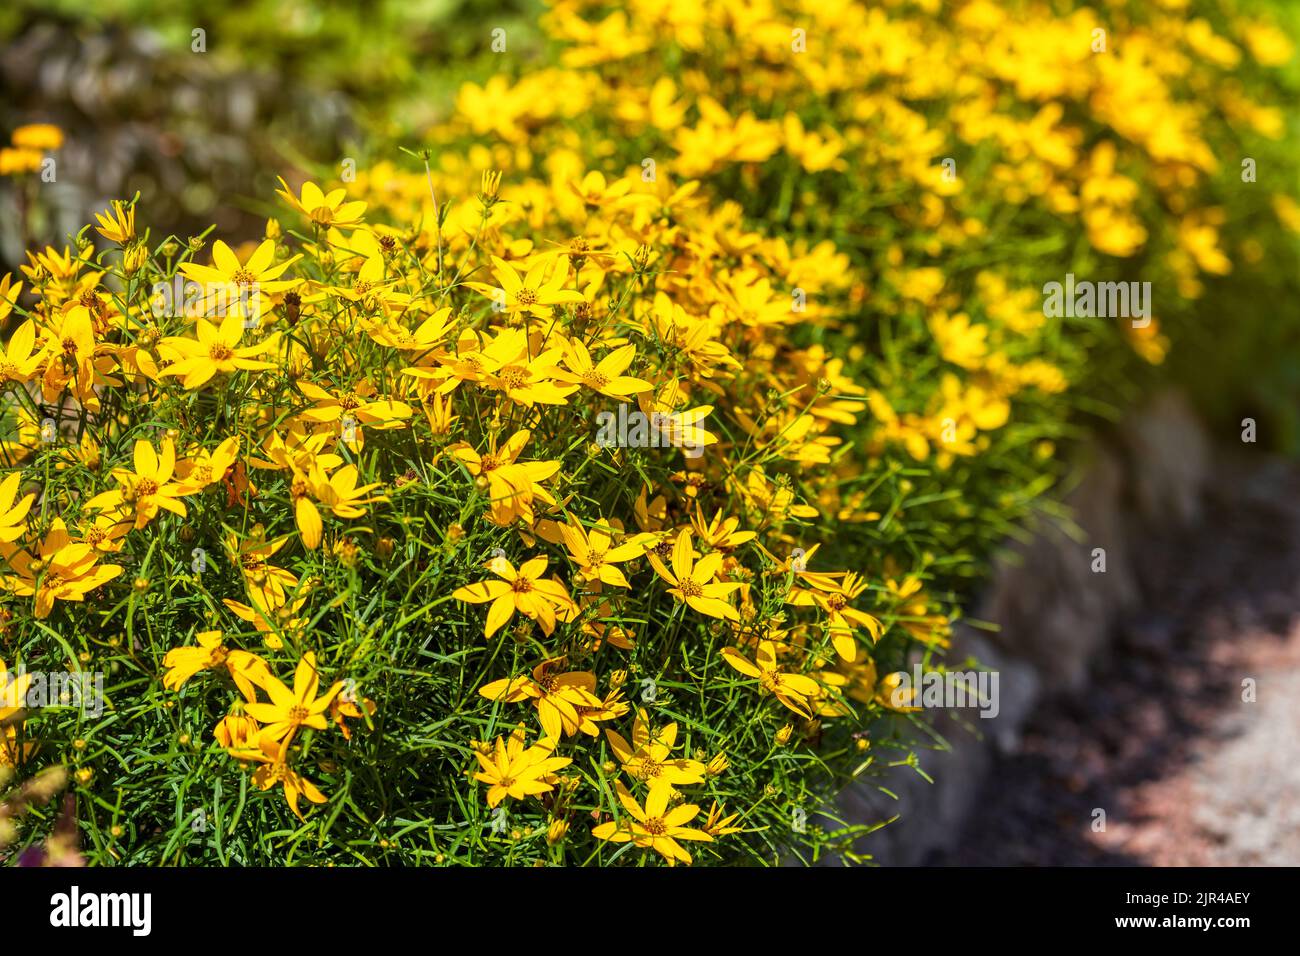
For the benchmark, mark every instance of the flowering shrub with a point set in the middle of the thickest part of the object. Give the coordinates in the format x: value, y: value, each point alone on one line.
x: 959, y: 157
x: 576, y: 494
x: 497, y: 538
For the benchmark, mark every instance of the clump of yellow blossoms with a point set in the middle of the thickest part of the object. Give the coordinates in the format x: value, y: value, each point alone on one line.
x: 507, y: 493
x: 577, y: 494
x: 930, y: 167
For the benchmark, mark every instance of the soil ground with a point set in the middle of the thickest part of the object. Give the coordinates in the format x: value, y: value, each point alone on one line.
x: 1187, y: 772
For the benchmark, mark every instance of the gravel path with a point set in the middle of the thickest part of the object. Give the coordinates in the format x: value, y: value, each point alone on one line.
x: 1187, y: 772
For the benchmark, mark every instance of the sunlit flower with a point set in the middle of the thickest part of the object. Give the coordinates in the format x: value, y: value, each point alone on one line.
x: 510, y: 770
x: 324, y: 209
x: 534, y: 293
x: 526, y: 591
x: 795, y: 691
x: 182, y: 663
x: 656, y: 827
x: 63, y: 570
x: 649, y: 756
x: 216, y: 350
x: 557, y: 694
x: 118, y: 223
x: 147, y: 489
x: 13, y: 511
x: 229, y: 278
x: 693, y: 581
x: 596, y: 555
x: 272, y: 754
x: 288, y: 709
x: 20, y: 359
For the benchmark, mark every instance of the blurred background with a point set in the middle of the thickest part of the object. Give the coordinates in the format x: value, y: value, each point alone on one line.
x: 199, y: 106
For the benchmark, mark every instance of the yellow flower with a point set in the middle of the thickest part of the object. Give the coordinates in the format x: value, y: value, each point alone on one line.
x: 1198, y: 236
x: 795, y: 691
x: 269, y: 621
x: 602, y: 631
x: 18, y: 161
x: 595, y: 191
x: 216, y: 350
x: 815, y: 153
x: 526, y: 378
x: 297, y: 451
x: 438, y: 412
x: 718, y: 825
x: 87, y: 452
x: 682, y: 429
x: 358, y: 403
x: 721, y: 534
x: 960, y: 341
x: 19, y: 362
x: 694, y: 339
x: 236, y: 731
x: 12, y: 753
x: 343, y: 707
x: 489, y: 185
x: 891, y: 693
x: 512, y: 485
x: 1267, y: 44
x: 42, y: 136
x: 182, y: 663
x: 117, y: 224
x: 147, y: 489
x: 424, y: 339
x: 228, y: 275
x: 369, y: 288
x: 692, y: 581
x: 72, y: 354
x: 833, y: 597
x: 64, y: 571
x: 9, y: 293
x: 272, y: 755
x: 655, y: 827
x: 339, y: 493
x: 534, y: 294
x: 649, y: 756
x: 605, y: 377
x: 512, y: 771
x: 207, y: 467
x: 324, y: 209
x: 661, y: 109
x: 719, y: 138
x: 13, y: 513
x: 13, y: 695
x: 558, y: 696
x: 525, y: 591
x: 266, y: 583
x: 592, y: 553
x: 291, y: 709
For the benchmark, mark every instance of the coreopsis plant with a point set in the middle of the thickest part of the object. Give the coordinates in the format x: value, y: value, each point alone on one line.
x: 515, y: 505
x: 444, y: 538
x: 926, y: 170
